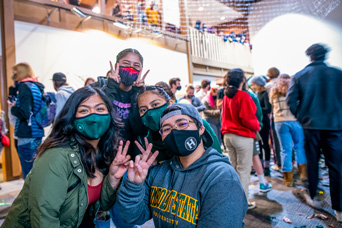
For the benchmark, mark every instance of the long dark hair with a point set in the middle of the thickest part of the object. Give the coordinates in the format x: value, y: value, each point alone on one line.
x: 124, y: 52
x: 63, y: 130
x: 234, y: 78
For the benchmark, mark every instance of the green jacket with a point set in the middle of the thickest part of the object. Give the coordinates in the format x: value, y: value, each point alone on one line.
x: 45, y: 200
x: 259, y: 110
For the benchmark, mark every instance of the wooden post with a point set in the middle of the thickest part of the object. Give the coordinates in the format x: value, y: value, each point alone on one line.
x: 10, y: 162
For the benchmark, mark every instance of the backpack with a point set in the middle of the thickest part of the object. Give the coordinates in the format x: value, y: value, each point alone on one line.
x: 47, y: 112
x: 47, y: 108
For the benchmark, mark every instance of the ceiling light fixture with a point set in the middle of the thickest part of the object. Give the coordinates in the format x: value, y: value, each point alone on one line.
x: 96, y: 9
x: 200, y: 8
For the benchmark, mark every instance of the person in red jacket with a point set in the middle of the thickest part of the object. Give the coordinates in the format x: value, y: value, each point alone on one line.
x: 239, y: 124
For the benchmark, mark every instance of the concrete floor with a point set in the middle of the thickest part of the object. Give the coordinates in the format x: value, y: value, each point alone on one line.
x: 271, y: 207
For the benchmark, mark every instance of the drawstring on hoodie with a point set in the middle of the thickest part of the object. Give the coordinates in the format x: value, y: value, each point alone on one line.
x: 29, y: 120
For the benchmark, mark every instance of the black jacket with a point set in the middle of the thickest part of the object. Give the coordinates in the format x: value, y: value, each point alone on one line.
x: 315, y: 97
x: 24, y: 111
x: 265, y: 104
x: 133, y: 128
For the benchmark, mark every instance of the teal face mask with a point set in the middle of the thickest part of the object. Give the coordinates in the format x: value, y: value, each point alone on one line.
x: 93, y: 126
x: 151, y: 118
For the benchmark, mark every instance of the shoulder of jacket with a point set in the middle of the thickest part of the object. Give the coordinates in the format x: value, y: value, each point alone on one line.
x: 61, y: 154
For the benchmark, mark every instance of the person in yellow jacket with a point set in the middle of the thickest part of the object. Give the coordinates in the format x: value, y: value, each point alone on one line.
x: 152, y: 15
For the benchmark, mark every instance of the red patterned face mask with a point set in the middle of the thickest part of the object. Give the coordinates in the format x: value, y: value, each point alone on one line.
x: 128, y: 75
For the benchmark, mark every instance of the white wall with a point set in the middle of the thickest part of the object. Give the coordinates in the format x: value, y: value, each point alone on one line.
x: 87, y: 54
x: 282, y: 41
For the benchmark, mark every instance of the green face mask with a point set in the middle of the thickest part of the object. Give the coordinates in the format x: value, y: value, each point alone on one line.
x: 151, y: 118
x: 93, y: 126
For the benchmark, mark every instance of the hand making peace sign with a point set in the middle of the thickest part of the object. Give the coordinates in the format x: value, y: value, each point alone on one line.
x: 137, y: 171
x: 119, y: 165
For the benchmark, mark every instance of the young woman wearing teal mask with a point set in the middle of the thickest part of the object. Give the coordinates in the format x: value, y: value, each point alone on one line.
x: 78, y: 167
x: 152, y: 101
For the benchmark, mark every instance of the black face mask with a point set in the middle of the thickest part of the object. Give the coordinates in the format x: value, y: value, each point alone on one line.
x: 214, y: 97
x: 190, y: 96
x: 128, y: 75
x: 182, y: 142
x: 179, y: 87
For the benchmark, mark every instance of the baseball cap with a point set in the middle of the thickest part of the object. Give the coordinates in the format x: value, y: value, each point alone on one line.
x: 189, y: 110
x: 59, y: 77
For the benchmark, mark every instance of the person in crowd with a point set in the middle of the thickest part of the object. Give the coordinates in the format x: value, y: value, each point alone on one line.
x: 198, y: 25
x: 141, y: 13
x: 175, y: 86
x: 258, y: 85
x: 197, y: 88
x: 205, y: 88
x: 264, y: 186
x: 193, y: 184
x: 12, y: 97
x: 191, y: 99
x: 78, y: 167
x: 314, y: 98
x: 211, y: 113
x: 167, y: 89
x: 122, y: 86
x: 289, y: 130
x: 117, y: 11
x: 239, y: 124
x: 27, y: 129
x: 153, y: 17
x: 273, y: 74
x: 220, y: 93
x: 127, y: 13
x: 63, y: 90
x: 89, y: 81
x: 152, y: 101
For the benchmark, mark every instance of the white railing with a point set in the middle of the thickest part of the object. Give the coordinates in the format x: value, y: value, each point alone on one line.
x: 210, y: 46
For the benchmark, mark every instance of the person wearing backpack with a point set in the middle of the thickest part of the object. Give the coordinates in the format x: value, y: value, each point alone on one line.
x: 63, y: 90
x: 27, y: 105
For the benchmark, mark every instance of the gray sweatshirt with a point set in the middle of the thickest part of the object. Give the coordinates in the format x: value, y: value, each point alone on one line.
x: 63, y: 93
x: 207, y: 194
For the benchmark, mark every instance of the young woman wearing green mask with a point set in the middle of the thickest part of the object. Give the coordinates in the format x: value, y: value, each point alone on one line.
x: 78, y: 167
x: 152, y: 101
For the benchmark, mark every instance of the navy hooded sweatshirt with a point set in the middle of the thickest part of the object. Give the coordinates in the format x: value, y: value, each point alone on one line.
x: 206, y: 194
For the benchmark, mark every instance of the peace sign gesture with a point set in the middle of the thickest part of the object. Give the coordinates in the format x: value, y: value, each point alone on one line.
x: 119, y: 165
x: 114, y: 73
x: 138, y: 170
x: 141, y: 82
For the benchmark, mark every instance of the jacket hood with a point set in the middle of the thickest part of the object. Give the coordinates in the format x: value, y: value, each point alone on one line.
x: 210, y: 156
x: 67, y: 89
x: 40, y: 85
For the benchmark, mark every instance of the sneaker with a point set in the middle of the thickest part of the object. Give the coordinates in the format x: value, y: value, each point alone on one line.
x: 338, y: 216
x: 267, y: 172
x: 251, y: 205
x: 265, y: 187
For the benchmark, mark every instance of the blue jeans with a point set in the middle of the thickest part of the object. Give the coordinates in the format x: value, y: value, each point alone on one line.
x: 27, y: 153
x: 291, y: 135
